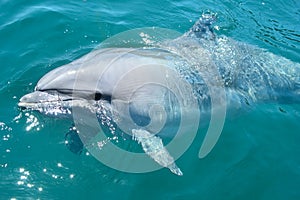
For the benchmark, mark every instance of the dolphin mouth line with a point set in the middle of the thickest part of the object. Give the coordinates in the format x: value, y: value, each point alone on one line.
x: 45, y: 99
x: 78, y: 94
x: 57, y: 101
x: 58, y: 107
x: 29, y: 105
x: 26, y: 105
x: 52, y: 95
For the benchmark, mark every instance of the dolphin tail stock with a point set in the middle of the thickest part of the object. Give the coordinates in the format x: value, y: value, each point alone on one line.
x: 153, y: 147
x: 203, y: 27
x: 283, y: 76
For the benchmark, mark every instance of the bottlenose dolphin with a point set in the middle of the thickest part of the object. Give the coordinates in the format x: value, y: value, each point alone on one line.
x: 140, y: 89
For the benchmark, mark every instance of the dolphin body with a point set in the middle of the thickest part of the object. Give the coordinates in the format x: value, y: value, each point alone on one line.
x: 207, y: 65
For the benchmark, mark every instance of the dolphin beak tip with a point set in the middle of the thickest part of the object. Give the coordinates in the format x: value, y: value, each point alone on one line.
x: 26, y: 101
x: 21, y: 104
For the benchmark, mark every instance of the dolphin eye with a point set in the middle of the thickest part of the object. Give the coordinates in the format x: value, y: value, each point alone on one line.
x: 98, y: 96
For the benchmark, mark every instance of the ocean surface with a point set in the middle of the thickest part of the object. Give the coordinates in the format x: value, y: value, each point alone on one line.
x: 256, y: 157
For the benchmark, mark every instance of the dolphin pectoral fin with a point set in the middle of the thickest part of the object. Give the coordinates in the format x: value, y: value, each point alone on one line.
x: 73, y: 141
x: 153, y: 146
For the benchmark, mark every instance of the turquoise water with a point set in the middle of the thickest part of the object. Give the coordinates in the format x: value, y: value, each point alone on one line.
x: 257, y: 156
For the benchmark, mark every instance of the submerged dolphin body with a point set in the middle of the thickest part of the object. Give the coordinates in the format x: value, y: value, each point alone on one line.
x: 247, y: 75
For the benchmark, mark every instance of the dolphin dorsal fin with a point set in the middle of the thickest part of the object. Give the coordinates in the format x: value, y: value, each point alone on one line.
x: 203, y: 27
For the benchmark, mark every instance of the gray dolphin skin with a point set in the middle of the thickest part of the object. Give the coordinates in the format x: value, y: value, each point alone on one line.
x: 120, y: 84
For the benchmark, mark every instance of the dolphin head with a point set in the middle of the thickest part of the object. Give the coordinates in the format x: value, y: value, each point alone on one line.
x: 67, y: 86
x: 94, y: 78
